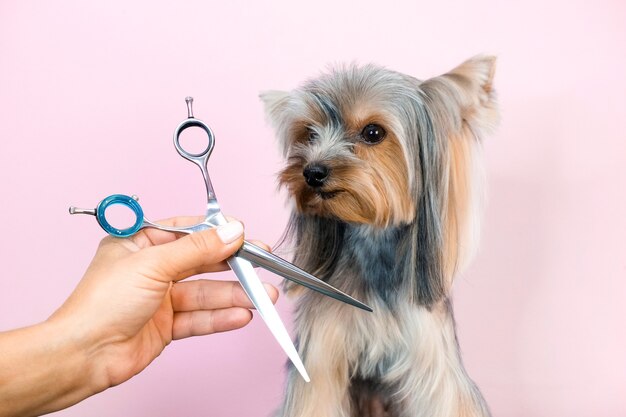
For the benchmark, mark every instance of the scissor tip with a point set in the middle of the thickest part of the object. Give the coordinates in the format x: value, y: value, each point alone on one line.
x: 300, y: 367
x: 72, y: 210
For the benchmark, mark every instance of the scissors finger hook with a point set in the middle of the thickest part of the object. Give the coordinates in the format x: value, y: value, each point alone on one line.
x: 130, y: 202
x: 200, y: 159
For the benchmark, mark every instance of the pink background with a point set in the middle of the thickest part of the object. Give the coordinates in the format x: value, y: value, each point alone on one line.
x: 90, y: 93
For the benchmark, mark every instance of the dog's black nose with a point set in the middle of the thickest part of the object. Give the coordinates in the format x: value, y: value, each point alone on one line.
x: 315, y: 175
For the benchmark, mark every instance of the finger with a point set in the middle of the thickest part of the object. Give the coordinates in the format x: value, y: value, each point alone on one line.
x: 197, y: 252
x: 205, y: 294
x: 260, y: 244
x: 202, y: 322
x: 223, y: 266
x: 152, y: 237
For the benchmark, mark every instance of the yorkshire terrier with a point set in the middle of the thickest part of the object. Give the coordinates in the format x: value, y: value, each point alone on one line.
x: 386, y: 177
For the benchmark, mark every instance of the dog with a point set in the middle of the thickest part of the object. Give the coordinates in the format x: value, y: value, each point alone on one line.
x: 386, y: 179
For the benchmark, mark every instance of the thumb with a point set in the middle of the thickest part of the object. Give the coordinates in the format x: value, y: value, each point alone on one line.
x: 193, y: 253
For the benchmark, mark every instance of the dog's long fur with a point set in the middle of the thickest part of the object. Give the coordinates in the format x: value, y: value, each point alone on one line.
x: 392, y: 224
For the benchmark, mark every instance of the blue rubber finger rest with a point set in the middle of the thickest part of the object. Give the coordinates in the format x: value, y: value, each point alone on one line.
x: 124, y: 200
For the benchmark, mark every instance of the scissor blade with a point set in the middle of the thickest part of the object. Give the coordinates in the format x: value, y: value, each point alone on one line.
x: 271, y: 262
x: 263, y: 304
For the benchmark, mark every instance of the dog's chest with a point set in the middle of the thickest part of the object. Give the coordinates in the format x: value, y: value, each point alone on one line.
x: 390, y: 339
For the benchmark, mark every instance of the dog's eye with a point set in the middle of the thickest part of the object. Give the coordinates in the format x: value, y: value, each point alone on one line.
x: 373, y: 133
x: 312, y: 135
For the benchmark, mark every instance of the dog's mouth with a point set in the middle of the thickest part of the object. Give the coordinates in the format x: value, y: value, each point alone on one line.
x: 327, y: 195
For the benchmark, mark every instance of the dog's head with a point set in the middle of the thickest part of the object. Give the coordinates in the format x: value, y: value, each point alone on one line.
x: 372, y: 146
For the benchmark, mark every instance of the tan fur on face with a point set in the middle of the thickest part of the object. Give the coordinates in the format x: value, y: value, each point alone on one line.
x: 387, y: 168
x: 371, y: 184
x: 388, y: 173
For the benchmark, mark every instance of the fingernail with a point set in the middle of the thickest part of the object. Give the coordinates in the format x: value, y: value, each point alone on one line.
x: 230, y: 232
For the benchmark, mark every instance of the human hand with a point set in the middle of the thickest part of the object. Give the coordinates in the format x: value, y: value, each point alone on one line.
x: 130, y: 303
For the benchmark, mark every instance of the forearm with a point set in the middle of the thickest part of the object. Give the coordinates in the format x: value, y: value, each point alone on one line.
x: 42, y: 370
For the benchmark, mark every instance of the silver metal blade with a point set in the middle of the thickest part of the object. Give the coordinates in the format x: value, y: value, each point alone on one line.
x: 289, y: 271
x: 256, y: 292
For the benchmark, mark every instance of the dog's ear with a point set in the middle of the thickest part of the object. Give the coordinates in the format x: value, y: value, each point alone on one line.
x: 478, y: 70
x: 462, y: 108
x: 277, y: 112
x: 276, y: 104
x: 468, y: 91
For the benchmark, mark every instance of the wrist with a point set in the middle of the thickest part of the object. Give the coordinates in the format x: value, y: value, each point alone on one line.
x: 76, y: 350
x: 42, y: 370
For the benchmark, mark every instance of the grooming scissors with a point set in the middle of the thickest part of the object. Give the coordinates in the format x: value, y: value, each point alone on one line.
x: 242, y: 262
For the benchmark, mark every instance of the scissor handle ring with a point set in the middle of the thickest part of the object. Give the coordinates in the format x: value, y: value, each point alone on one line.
x: 186, y: 124
x: 123, y: 200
